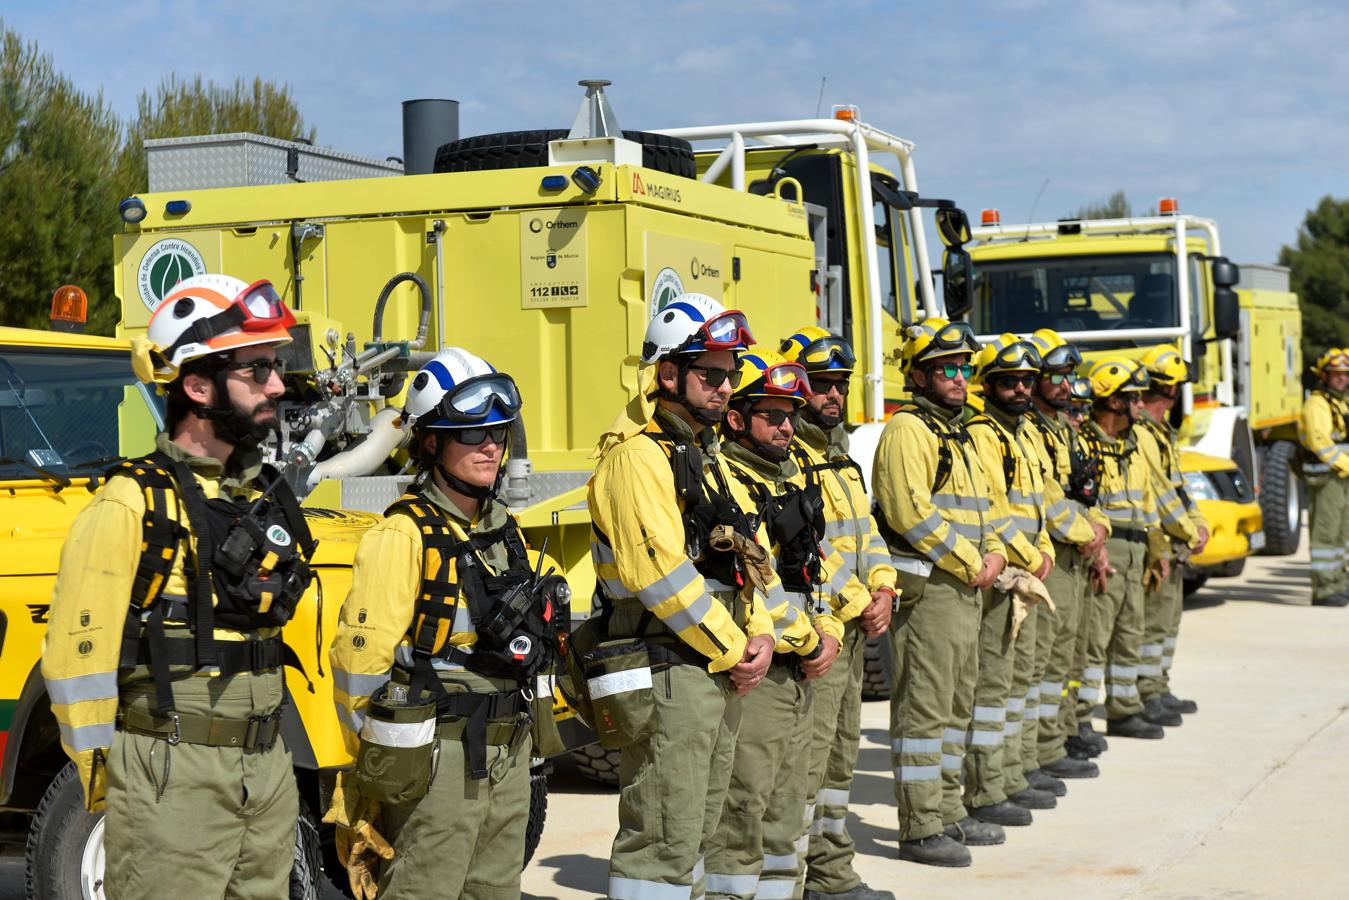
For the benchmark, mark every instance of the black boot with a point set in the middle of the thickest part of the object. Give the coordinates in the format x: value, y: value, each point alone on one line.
x: 936, y: 850
x: 1158, y: 713
x: 1091, y: 736
x: 1080, y: 749
x: 1032, y: 798
x: 1001, y: 813
x: 973, y: 833
x: 1071, y: 768
x: 1135, y: 727
x: 1181, y: 706
x: 1045, y: 781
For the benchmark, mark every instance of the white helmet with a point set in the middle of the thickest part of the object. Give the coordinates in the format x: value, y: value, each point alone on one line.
x: 459, y: 390
x: 693, y: 323
x: 208, y: 314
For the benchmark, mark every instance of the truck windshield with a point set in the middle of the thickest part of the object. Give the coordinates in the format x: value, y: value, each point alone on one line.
x: 66, y: 410
x: 1076, y: 293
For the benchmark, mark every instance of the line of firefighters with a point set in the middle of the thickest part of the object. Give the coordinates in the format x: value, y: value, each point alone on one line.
x: 1023, y: 557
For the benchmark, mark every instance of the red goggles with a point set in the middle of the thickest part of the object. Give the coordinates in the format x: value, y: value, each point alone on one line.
x: 261, y: 308
x: 728, y: 330
x: 787, y: 380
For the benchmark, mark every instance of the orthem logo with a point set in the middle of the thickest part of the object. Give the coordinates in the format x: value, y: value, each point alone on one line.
x: 702, y: 270
x: 375, y: 763
x: 166, y: 263
x: 536, y: 225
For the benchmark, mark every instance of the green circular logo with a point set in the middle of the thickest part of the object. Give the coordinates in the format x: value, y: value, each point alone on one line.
x: 166, y: 263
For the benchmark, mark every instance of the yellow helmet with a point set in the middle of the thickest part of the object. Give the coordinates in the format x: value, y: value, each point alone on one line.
x: 1117, y: 375
x: 1005, y: 355
x: 1054, y: 350
x: 819, y: 351
x: 1336, y: 359
x: 1165, y: 365
x: 934, y: 338
x: 765, y: 373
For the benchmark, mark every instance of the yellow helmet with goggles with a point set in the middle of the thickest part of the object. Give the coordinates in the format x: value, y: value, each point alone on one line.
x: 1117, y: 375
x: 1006, y: 355
x: 1055, y: 352
x: 765, y: 373
x: 1335, y: 359
x: 1165, y: 365
x: 819, y: 351
x: 934, y: 338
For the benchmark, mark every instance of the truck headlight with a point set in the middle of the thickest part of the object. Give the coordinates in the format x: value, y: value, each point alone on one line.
x: 1199, y: 487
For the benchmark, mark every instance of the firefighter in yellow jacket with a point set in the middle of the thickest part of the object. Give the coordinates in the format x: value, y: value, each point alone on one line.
x: 996, y: 789
x: 1183, y: 524
x: 1078, y: 530
x: 933, y: 508
x: 1325, y: 440
x: 753, y: 852
x: 163, y: 653
x: 861, y: 595
x: 439, y: 646
x: 655, y: 498
x: 1136, y: 545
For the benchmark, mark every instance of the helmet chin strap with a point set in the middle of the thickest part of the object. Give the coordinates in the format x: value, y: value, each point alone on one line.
x: 475, y: 491
x: 700, y: 415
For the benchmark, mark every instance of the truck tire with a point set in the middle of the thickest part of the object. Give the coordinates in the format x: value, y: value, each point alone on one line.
x: 527, y: 149
x: 1193, y: 583
x: 877, y: 668
x: 63, y: 859
x: 1281, y: 500
x: 538, y: 813
x: 597, y: 763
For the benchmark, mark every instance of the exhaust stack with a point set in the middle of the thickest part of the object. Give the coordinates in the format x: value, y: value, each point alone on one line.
x: 426, y: 125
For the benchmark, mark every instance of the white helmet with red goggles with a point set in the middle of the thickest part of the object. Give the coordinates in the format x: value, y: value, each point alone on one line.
x: 694, y: 323
x: 209, y: 314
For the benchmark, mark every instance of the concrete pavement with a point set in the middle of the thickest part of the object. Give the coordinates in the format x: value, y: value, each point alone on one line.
x: 1246, y: 799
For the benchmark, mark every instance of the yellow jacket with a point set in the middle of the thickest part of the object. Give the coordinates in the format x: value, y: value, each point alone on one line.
x: 951, y: 526
x: 1180, y: 516
x: 850, y: 529
x: 1066, y: 520
x: 795, y: 617
x: 81, y: 650
x: 632, y: 503
x: 1322, y: 431
x: 1126, y: 482
x: 1018, y: 504
x: 386, y: 583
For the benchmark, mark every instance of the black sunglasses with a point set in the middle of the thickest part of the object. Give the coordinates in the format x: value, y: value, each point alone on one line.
x: 775, y: 417
x: 262, y: 369
x: 1024, y: 380
x: 473, y: 437
x: 825, y: 385
x: 715, y: 377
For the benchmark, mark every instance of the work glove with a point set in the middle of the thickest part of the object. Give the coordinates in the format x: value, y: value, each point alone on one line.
x: 758, y: 570
x: 1153, y: 577
x: 1026, y: 590
x: 359, y: 846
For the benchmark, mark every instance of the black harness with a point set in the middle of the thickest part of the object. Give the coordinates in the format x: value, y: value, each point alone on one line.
x: 510, y: 613
x: 795, y: 523
x: 950, y: 437
x: 1084, y: 466
x: 249, y: 571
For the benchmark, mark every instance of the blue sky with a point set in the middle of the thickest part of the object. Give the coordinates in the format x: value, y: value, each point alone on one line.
x: 1240, y: 109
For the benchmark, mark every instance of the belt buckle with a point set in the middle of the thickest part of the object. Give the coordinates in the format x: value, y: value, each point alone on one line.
x: 177, y: 735
x: 259, y: 729
x: 521, y: 731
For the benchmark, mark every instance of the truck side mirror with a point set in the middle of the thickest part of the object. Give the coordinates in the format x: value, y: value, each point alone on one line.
x: 953, y: 226
x: 1226, y: 310
x: 957, y: 276
x: 1225, y: 272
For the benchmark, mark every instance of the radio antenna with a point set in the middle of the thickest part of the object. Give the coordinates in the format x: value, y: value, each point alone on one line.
x: 820, y: 101
x: 1034, y: 204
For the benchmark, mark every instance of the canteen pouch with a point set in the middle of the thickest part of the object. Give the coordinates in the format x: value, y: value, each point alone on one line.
x: 618, y: 680
x: 913, y: 575
x: 543, y: 732
x: 398, y: 752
